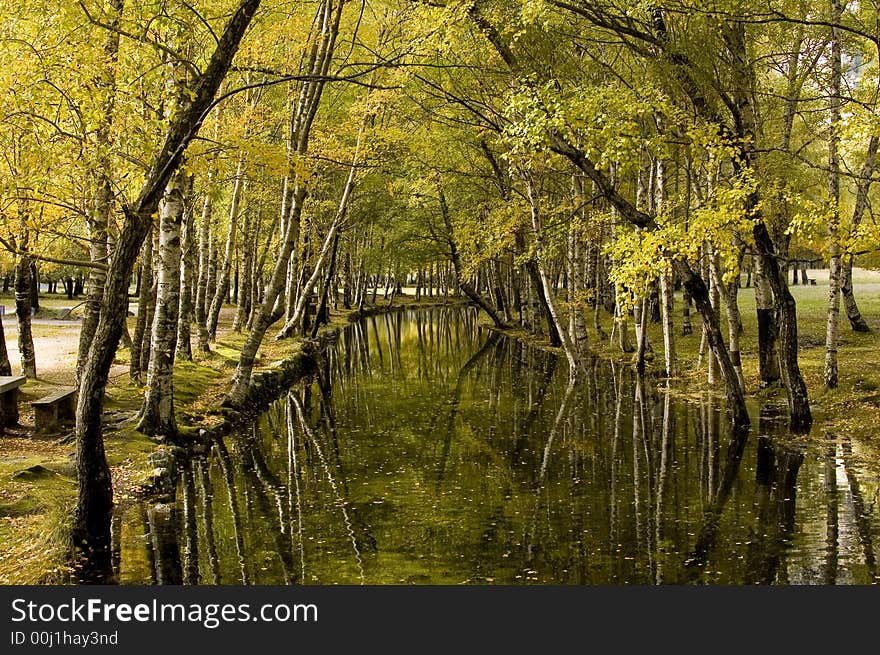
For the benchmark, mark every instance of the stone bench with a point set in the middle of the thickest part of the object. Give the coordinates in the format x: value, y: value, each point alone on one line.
x: 54, y: 410
x: 9, y: 385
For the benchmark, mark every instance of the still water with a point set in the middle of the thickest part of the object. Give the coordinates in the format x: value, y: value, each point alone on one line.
x: 430, y: 450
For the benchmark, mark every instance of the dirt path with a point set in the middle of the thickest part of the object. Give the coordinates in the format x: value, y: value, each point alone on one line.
x: 55, y: 343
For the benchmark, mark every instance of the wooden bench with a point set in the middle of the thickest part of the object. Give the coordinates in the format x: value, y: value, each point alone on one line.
x: 812, y: 281
x: 9, y: 385
x: 54, y: 410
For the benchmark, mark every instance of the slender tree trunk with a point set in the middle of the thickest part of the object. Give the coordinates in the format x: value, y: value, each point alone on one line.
x: 856, y: 320
x: 640, y: 321
x: 8, y: 402
x: 742, y: 85
x: 686, y: 326
x: 322, y: 316
x: 541, y: 307
x: 202, y: 291
x: 248, y: 260
x: 144, y: 315
x: 833, y: 323
x: 187, y: 266
x: 5, y: 366
x: 667, y: 303
x: 206, y: 489
x: 863, y: 186
x: 574, y: 364
x: 598, y: 295
x: 700, y: 294
x: 768, y: 361
x: 577, y: 324
x: 150, y: 306
x: 211, y: 282
x: 23, y: 282
x: 157, y: 415
x: 222, y: 289
x: 734, y: 322
x: 711, y: 275
x: 34, y: 272
x: 330, y: 244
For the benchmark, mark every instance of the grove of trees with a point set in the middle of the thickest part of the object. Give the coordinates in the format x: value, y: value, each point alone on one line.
x: 559, y: 163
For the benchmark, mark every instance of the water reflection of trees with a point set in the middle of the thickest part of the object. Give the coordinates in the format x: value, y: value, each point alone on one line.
x: 617, y: 479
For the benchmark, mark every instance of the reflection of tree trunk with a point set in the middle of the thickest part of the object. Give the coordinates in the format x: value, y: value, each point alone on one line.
x: 294, y: 501
x: 776, y: 482
x: 166, y: 549
x: 148, y: 542
x: 615, y: 446
x: 708, y: 535
x: 116, y: 543
x: 340, y: 499
x: 477, y: 357
x: 831, y: 525
x: 862, y: 513
x: 261, y: 481
x: 190, y: 528
x: 229, y: 478
x: 637, y: 437
x: 666, y: 448
x: 207, y: 494
x: 545, y: 464
x: 535, y: 405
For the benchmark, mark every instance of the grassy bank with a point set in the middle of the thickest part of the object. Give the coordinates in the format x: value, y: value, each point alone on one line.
x: 37, y: 476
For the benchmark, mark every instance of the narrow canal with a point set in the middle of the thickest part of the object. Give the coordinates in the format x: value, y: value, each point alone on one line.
x: 429, y: 450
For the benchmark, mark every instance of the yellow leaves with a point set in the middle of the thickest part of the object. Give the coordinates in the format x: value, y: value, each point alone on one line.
x: 864, y: 239
x: 610, y: 123
x: 535, y: 12
x: 810, y: 224
x: 639, y: 257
